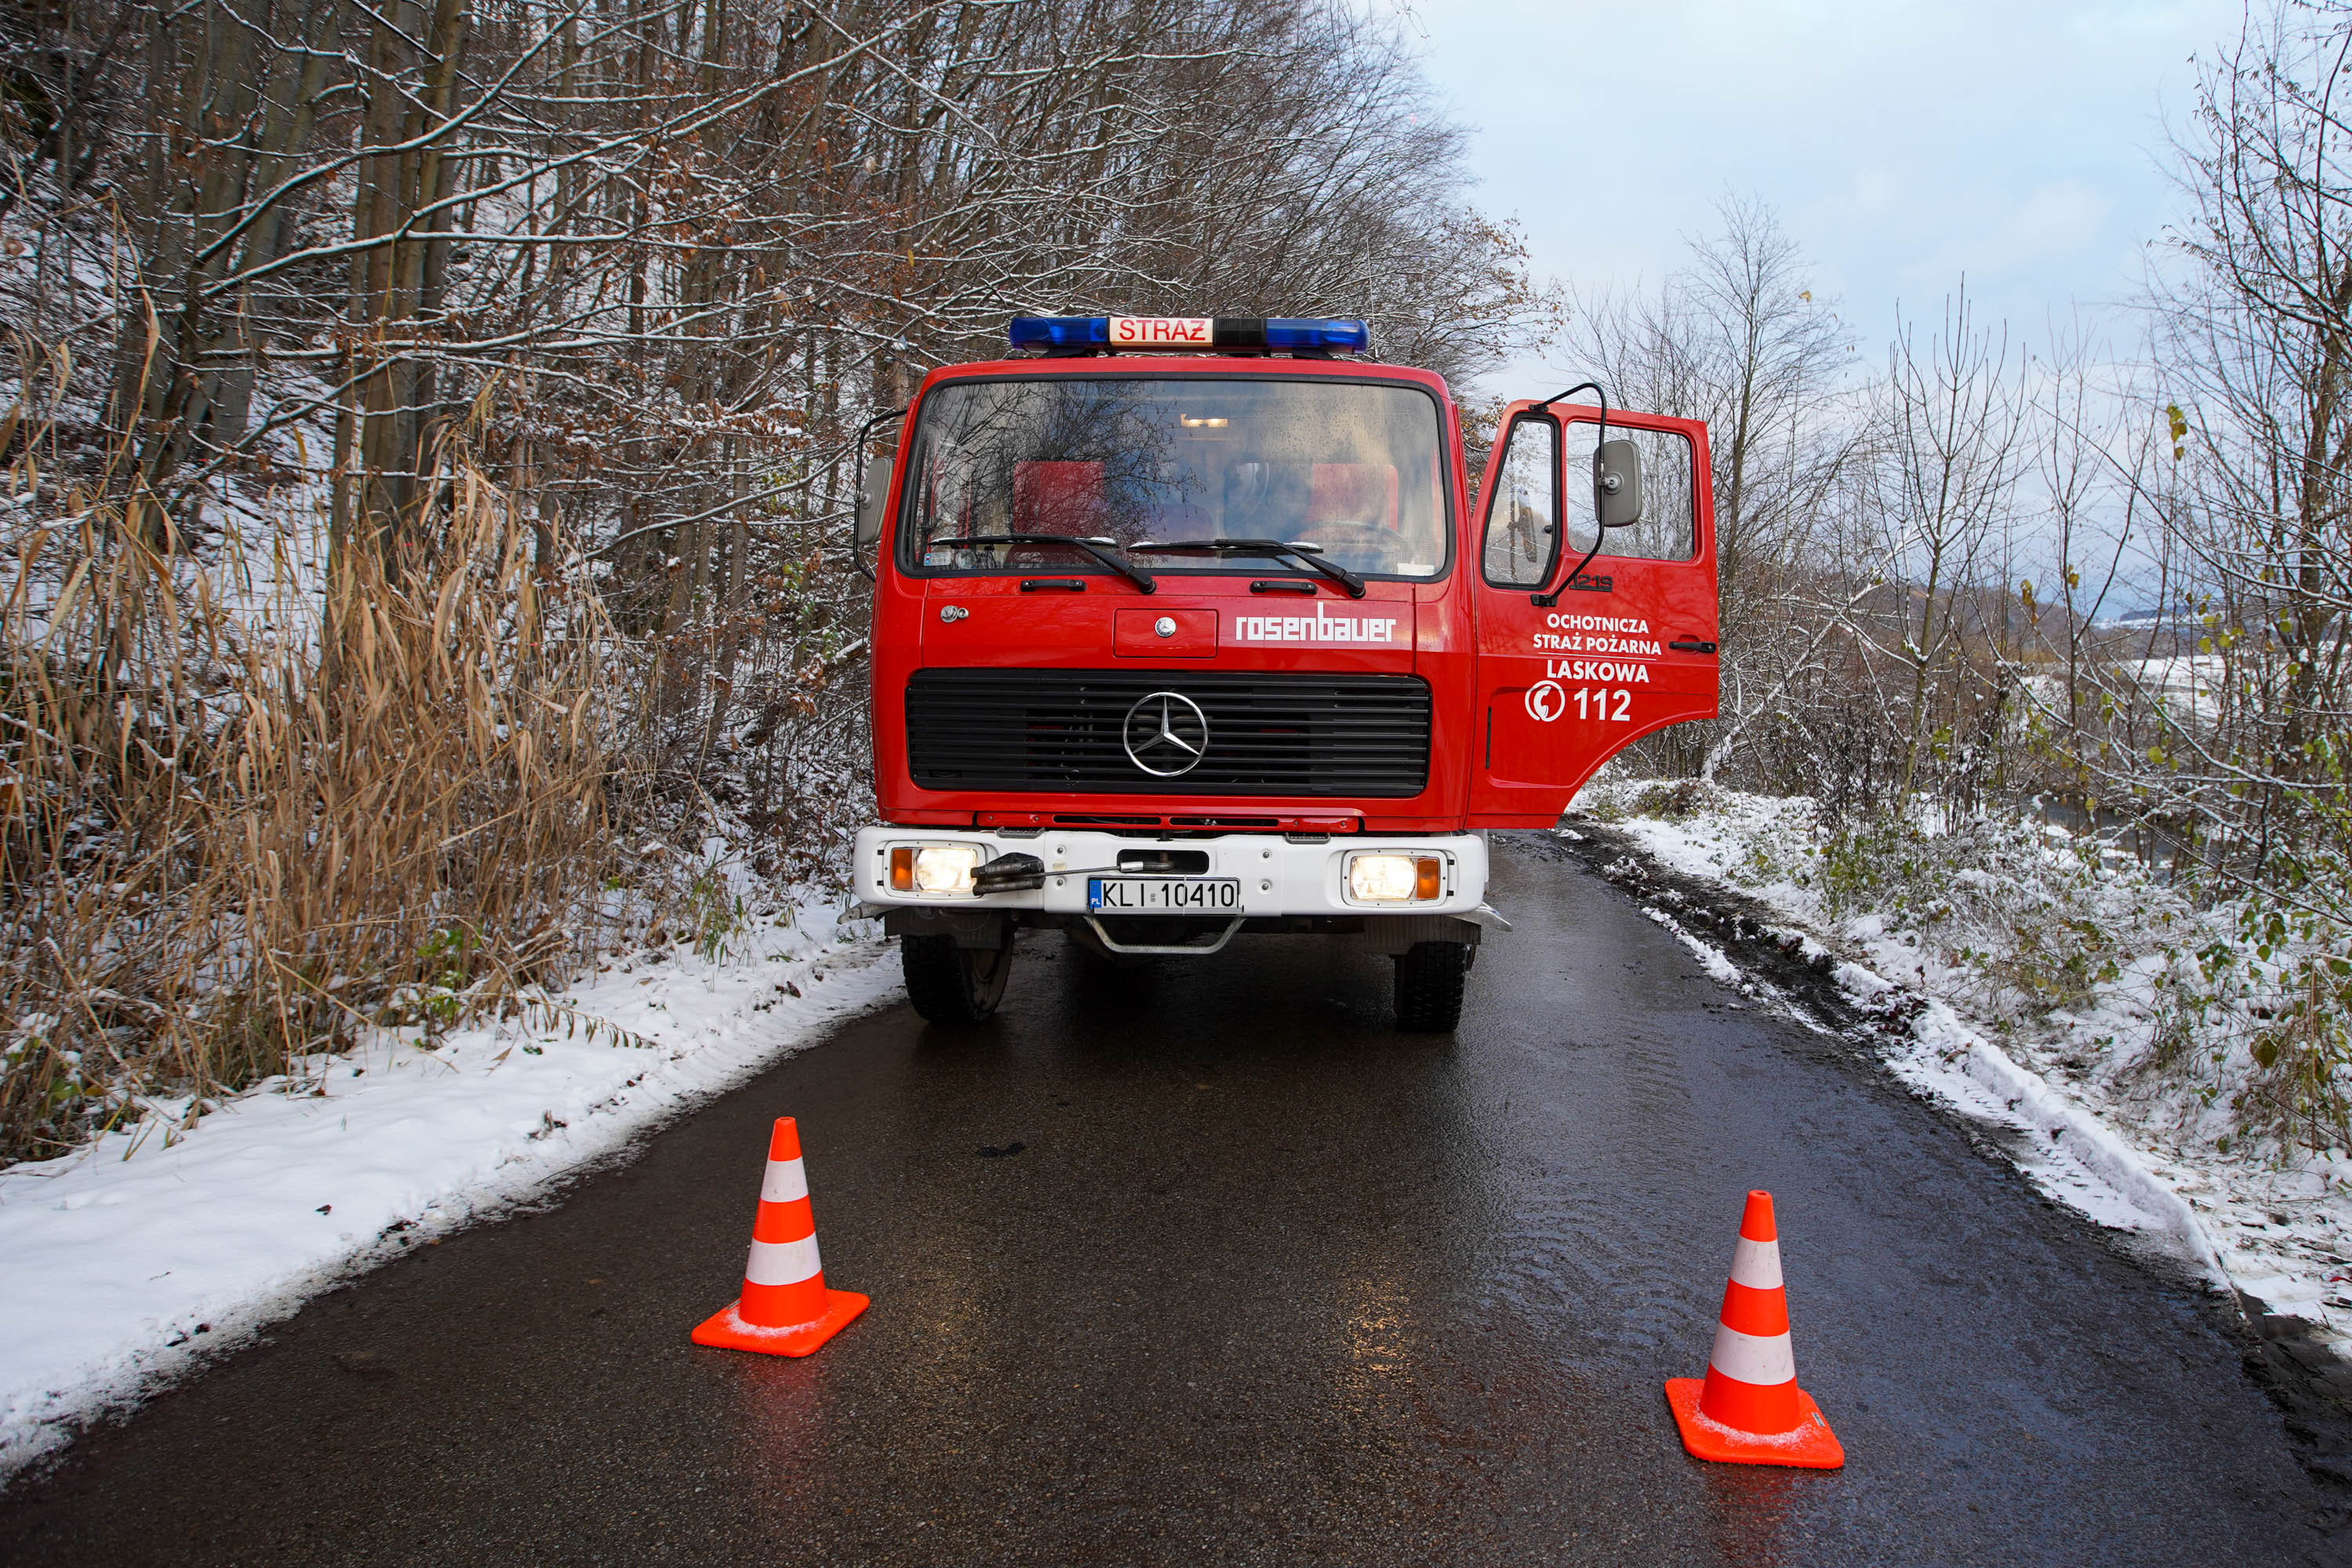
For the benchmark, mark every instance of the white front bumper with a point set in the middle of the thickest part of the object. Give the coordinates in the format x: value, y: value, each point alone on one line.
x: 1277, y: 877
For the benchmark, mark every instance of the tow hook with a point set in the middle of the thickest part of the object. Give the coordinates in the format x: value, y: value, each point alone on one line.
x: 1009, y: 874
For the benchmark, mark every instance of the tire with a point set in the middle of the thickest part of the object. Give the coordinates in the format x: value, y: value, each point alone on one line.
x: 1429, y: 986
x: 956, y: 986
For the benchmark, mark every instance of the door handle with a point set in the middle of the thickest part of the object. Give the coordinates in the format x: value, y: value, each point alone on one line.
x: 1691, y: 645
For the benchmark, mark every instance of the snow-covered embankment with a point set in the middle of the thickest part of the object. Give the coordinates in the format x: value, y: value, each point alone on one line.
x: 2113, y: 1093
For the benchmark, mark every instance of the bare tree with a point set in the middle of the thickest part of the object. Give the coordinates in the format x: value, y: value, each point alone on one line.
x: 1949, y: 472
x: 1737, y: 338
x: 2257, y: 332
x: 657, y: 260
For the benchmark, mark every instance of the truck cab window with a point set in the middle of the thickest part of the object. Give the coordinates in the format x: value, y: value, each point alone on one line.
x: 1665, y: 531
x: 1352, y: 469
x: 1522, y: 537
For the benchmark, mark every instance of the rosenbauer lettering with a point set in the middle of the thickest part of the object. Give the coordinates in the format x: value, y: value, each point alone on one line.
x: 1317, y: 628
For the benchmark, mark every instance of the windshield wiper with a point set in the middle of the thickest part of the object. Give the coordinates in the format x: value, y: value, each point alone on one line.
x: 1103, y: 550
x: 1305, y: 554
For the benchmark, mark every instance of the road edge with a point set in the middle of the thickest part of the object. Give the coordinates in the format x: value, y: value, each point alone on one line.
x: 1870, y: 1022
x: 861, y: 980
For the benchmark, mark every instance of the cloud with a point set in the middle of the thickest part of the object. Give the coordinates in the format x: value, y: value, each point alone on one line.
x: 1876, y: 190
x: 2057, y: 223
x: 1902, y: 142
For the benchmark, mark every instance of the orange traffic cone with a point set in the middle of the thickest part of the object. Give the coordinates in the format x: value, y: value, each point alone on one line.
x: 1750, y: 1411
x: 785, y: 1309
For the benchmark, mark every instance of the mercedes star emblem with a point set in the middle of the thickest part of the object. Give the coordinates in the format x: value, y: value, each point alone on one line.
x: 1165, y: 735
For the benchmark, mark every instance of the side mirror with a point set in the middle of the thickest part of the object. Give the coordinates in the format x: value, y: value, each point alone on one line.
x: 1617, y: 484
x: 871, y: 494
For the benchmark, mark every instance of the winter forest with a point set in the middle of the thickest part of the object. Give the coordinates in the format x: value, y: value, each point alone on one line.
x: 432, y: 430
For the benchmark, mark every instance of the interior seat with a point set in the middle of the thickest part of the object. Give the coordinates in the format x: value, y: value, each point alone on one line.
x: 1353, y: 492
x: 1064, y: 499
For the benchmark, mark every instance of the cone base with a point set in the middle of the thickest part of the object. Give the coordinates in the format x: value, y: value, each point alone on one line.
x: 1811, y: 1447
x: 727, y: 1330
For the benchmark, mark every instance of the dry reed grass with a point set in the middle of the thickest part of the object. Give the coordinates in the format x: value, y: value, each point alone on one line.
x: 230, y: 839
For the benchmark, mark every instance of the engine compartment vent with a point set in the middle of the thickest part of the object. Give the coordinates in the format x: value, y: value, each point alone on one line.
x: 1067, y: 730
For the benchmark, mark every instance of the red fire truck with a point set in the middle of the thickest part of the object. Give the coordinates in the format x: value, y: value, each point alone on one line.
x: 1186, y: 628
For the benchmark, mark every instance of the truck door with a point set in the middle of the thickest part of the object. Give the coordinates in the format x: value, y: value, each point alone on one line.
x: 1571, y: 672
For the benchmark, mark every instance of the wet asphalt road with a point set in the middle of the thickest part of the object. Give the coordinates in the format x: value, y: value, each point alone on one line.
x: 1266, y: 1282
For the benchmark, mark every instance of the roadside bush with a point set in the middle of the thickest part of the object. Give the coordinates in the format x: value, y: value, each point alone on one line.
x: 1674, y: 800
x: 2186, y: 993
x: 2298, y: 974
x: 235, y: 833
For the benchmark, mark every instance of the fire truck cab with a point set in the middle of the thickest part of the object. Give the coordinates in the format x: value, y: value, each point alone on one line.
x: 1191, y: 628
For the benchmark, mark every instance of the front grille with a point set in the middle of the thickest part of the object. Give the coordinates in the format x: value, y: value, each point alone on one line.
x: 1276, y: 735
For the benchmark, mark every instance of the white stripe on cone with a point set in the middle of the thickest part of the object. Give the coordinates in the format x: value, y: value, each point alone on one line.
x: 783, y: 1262
x: 786, y: 1181
x: 1755, y: 1264
x: 1764, y: 1361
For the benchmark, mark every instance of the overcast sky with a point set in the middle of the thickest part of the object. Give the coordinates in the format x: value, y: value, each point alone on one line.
x: 1902, y: 144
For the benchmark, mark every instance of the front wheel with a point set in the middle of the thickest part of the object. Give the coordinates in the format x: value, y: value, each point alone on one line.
x: 951, y: 985
x: 1429, y: 986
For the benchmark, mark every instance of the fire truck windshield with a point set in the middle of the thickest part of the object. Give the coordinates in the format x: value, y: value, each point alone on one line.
x: 1348, y: 469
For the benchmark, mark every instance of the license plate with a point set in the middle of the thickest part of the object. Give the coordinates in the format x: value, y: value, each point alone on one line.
x: 1163, y: 895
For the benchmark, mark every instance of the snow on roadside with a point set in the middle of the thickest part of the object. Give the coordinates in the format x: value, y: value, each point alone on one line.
x: 128, y: 1261
x: 2071, y: 1090
x: 1710, y: 957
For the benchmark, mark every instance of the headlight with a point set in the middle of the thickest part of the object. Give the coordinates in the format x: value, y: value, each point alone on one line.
x: 1381, y: 879
x: 933, y: 871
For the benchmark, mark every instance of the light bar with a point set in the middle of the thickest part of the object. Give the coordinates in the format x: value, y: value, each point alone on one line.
x: 1189, y: 334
